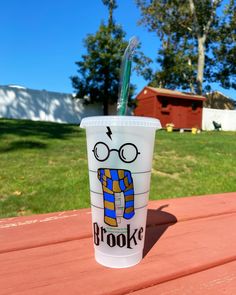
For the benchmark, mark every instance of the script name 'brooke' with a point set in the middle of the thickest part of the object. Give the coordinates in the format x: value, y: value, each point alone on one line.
x: 121, y: 240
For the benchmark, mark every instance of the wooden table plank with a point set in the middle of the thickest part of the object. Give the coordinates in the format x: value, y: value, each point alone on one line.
x: 43, y: 229
x: 38, y: 230
x: 196, y: 207
x: 220, y: 280
x: 174, y: 251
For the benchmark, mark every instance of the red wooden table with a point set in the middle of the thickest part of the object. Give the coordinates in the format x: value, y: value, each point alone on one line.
x: 190, y: 248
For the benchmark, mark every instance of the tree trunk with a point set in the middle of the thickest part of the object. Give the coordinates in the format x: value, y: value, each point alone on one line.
x: 105, y: 107
x: 105, y: 92
x: 191, y: 86
x: 111, y: 8
x: 201, y: 63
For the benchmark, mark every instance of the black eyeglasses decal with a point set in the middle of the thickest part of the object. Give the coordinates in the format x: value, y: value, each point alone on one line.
x: 128, y: 152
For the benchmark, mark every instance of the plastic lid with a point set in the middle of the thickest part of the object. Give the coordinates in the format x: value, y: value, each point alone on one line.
x: 120, y: 121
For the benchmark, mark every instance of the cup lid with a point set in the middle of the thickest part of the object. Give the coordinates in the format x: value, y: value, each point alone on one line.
x: 132, y: 121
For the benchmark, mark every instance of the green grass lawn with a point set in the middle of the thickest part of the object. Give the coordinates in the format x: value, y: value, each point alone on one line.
x: 43, y: 166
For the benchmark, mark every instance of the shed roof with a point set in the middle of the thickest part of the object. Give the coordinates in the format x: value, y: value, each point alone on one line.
x: 173, y: 93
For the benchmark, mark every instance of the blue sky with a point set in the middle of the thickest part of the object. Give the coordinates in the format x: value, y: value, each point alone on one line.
x: 41, y: 40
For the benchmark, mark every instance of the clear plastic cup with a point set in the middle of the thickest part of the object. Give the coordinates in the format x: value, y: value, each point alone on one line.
x: 120, y: 152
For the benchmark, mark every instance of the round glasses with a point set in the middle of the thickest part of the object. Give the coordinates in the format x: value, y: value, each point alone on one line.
x: 128, y: 152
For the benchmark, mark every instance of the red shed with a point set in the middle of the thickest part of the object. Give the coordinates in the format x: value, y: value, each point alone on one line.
x: 182, y: 109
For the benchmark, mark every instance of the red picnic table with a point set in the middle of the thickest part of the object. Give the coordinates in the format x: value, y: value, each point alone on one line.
x: 190, y: 248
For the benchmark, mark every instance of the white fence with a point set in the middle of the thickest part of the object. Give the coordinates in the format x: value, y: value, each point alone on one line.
x: 23, y: 103
x: 226, y: 118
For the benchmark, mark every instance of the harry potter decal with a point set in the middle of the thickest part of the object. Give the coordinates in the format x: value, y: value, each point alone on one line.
x: 116, y: 180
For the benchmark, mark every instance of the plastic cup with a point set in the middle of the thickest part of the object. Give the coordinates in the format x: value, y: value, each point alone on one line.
x: 120, y: 152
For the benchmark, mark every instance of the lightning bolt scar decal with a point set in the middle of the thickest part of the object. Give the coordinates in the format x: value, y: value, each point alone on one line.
x: 109, y: 133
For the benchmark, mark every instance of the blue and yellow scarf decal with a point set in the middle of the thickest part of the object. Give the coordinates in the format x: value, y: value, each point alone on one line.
x: 116, y: 181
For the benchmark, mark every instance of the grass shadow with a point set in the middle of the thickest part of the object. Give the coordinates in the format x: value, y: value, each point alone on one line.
x: 23, y: 144
x: 158, y: 222
x: 36, y: 128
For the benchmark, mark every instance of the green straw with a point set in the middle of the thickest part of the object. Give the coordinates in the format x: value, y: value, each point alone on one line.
x: 125, y: 76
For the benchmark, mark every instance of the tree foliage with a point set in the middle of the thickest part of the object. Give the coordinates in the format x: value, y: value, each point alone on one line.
x: 225, y: 52
x: 99, y: 69
x: 111, y: 4
x: 194, y: 37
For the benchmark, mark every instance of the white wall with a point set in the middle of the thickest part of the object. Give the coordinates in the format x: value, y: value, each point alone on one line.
x: 23, y: 103
x: 226, y: 118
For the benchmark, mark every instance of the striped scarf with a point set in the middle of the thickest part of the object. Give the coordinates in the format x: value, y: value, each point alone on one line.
x: 116, y: 181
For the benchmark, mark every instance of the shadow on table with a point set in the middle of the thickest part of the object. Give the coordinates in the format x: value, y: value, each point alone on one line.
x: 158, y: 222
